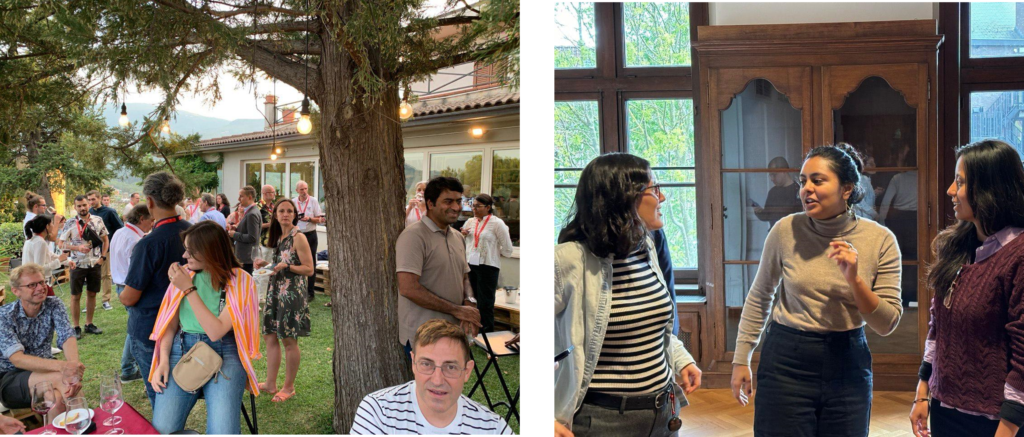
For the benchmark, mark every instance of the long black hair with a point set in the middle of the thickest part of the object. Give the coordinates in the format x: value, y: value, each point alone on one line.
x: 846, y: 163
x: 995, y: 192
x: 604, y: 213
x: 37, y: 225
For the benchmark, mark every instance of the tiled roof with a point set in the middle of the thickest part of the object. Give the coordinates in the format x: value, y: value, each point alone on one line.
x: 442, y: 105
x: 994, y: 21
x: 461, y: 102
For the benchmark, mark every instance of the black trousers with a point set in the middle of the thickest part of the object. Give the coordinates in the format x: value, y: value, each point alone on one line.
x: 947, y: 422
x: 311, y: 238
x: 484, y: 280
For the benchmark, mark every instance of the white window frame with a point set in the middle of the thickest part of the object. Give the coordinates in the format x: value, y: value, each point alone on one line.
x: 286, y: 182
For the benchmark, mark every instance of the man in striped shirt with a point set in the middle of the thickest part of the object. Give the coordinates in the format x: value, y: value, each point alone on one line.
x: 432, y: 403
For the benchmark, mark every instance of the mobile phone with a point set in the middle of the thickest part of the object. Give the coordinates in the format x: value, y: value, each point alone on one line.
x: 564, y: 354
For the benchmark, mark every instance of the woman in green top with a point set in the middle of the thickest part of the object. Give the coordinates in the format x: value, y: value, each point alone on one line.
x: 286, y: 314
x: 209, y: 254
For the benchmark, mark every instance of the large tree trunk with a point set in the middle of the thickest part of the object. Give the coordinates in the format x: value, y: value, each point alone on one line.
x: 363, y: 169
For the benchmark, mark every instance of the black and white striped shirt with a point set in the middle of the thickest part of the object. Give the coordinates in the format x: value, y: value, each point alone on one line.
x: 395, y: 411
x: 632, y: 360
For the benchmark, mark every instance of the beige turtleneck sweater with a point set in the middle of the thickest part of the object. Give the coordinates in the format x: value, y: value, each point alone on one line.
x: 815, y: 297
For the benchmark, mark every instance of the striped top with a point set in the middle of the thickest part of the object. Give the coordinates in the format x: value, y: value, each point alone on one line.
x: 241, y: 303
x: 632, y: 360
x: 395, y: 411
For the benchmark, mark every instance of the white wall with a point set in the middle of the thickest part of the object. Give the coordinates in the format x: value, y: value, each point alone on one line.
x: 790, y: 13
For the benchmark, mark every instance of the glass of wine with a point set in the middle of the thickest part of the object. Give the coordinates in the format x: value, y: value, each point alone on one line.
x: 257, y: 256
x: 43, y: 400
x: 77, y: 419
x: 111, y: 400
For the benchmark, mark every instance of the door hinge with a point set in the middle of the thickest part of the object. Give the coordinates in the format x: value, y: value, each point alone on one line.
x: 929, y: 214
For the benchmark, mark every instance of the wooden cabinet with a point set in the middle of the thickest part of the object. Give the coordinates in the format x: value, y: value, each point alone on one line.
x: 771, y: 93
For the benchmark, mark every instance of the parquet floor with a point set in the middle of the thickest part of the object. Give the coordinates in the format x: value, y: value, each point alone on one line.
x: 714, y: 413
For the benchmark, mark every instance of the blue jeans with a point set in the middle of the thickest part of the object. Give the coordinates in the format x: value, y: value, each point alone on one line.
x: 128, y: 366
x: 223, y: 393
x: 142, y: 351
x: 811, y: 384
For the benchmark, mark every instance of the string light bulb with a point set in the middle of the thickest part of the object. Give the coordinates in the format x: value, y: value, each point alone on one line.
x: 405, y: 110
x: 305, y: 126
x: 166, y: 126
x: 273, y: 156
x: 278, y: 150
x: 476, y: 132
x: 123, y: 121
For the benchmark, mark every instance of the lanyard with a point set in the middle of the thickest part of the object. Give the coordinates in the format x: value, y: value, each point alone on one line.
x: 166, y: 221
x: 192, y: 209
x: 478, y: 229
x: 132, y: 227
x: 81, y: 227
x: 304, y: 205
x: 418, y: 215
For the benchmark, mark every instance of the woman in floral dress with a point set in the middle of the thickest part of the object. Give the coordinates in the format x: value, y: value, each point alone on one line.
x: 286, y: 316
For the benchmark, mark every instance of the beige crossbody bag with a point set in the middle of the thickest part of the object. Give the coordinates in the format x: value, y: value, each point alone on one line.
x: 200, y: 364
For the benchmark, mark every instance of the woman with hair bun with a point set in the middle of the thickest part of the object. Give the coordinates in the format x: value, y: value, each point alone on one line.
x: 837, y: 273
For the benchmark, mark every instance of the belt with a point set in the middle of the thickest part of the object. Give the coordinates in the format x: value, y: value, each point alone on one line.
x: 623, y: 403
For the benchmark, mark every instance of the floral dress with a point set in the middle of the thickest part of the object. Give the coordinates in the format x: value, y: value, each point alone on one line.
x: 286, y: 313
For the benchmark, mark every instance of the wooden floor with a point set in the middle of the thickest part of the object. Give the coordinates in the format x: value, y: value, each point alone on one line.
x: 715, y: 413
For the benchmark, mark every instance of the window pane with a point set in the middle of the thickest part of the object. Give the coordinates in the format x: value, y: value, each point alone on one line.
x: 679, y: 213
x: 320, y: 190
x: 575, y: 46
x: 996, y: 30
x: 656, y: 34
x: 1000, y: 115
x: 577, y: 138
x: 252, y: 176
x: 505, y: 189
x: 761, y: 129
x: 413, y: 173
x: 467, y: 168
x: 274, y: 174
x: 301, y: 171
x: 563, y: 201
x: 661, y: 131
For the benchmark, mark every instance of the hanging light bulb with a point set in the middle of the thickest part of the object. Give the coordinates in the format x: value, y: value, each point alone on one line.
x: 273, y: 156
x: 123, y: 121
x: 305, y: 126
x: 404, y: 110
x: 278, y: 150
x: 166, y: 126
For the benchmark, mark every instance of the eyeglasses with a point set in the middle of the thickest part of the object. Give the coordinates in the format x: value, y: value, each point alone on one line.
x: 427, y: 367
x: 35, y: 285
x: 655, y: 191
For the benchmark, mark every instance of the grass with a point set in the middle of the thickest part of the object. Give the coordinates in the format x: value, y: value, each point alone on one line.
x: 309, y: 412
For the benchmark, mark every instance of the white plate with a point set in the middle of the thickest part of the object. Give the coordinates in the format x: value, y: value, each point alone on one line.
x: 263, y: 272
x: 60, y: 418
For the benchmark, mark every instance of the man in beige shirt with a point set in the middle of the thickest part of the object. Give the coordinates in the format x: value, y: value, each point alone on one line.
x: 433, y: 281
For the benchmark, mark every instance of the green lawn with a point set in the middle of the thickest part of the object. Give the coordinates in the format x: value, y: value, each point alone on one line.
x: 309, y: 412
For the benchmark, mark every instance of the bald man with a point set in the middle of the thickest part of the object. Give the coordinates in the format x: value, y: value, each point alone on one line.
x: 308, y: 210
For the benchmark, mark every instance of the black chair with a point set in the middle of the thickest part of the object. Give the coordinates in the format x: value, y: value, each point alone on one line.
x: 493, y: 353
x: 253, y: 426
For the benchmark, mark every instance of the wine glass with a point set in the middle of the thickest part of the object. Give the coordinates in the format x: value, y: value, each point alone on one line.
x: 257, y: 256
x: 111, y: 400
x: 70, y: 376
x: 77, y: 419
x: 43, y: 400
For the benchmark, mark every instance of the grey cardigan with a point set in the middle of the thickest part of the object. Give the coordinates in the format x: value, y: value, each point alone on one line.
x: 247, y: 235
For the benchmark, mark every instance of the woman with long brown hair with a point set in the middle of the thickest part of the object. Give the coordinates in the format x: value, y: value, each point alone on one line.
x: 213, y: 301
x: 286, y: 314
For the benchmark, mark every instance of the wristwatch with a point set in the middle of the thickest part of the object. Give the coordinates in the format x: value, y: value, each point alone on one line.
x: 471, y: 300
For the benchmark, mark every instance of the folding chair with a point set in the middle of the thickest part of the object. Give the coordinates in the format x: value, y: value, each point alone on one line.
x: 254, y: 427
x: 493, y: 353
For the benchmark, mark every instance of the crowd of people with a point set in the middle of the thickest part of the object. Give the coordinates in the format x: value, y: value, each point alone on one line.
x: 825, y: 273
x: 183, y: 268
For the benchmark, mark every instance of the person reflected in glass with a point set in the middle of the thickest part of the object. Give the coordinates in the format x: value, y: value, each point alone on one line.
x: 866, y: 207
x: 899, y: 213
x: 783, y: 198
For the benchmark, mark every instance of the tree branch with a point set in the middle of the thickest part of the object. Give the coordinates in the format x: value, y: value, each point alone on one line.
x: 277, y: 65
x: 27, y: 55
x: 292, y: 47
x: 253, y: 10
x: 289, y: 26
x: 461, y: 58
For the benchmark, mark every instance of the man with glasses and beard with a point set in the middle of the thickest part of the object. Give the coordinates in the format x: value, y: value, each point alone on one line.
x: 86, y: 237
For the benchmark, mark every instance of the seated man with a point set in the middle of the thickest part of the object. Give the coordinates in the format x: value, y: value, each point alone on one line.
x: 433, y: 403
x: 26, y: 332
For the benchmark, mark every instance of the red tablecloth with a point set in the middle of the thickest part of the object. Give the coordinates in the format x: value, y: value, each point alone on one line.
x: 131, y: 422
